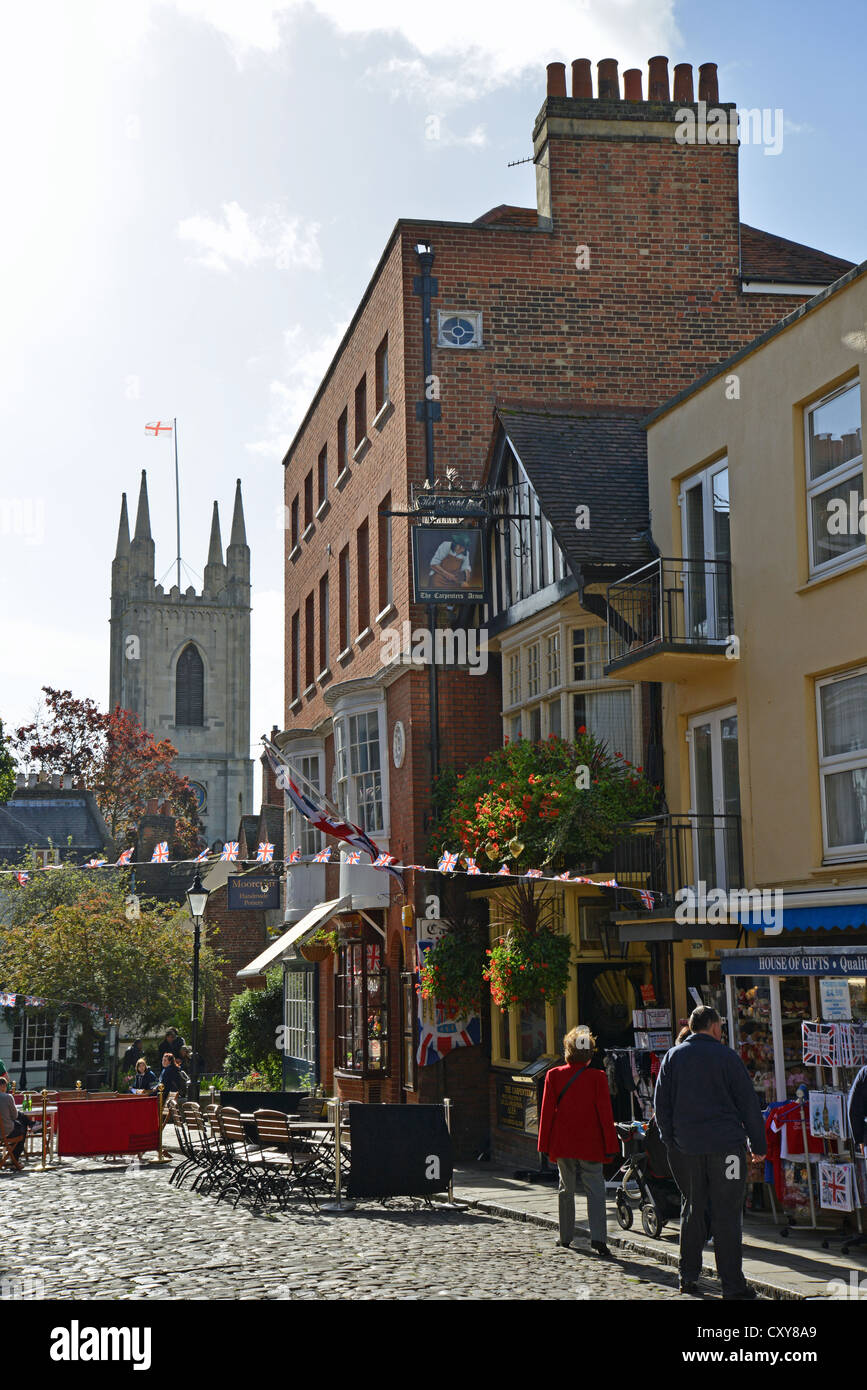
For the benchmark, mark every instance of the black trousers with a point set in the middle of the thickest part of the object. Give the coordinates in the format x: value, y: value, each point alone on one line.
x: 715, y: 1184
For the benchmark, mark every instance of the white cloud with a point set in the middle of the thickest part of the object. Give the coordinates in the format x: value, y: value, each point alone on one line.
x: 305, y: 366
x: 275, y: 238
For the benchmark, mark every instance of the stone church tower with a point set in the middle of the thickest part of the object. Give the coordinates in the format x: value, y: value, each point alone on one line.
x: 181, y: 662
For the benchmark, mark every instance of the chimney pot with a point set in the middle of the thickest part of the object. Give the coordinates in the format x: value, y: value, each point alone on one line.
x: 683, y: 90
x: 31, y: 779
x: 55, y: 779
x: 20, y: 780
x: 608, y: 82
x: 152, y: 806
x: 632, y: 85
x: 556, y: 79
x: 708, y: 84
x: 657, y: 80
x: 165, y: 809
x: 582, y: 80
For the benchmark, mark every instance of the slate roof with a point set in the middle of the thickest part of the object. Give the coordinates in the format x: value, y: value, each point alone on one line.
x: 765, y: 256
x: 271, y: 828
x: 45, y: 816
x: 596, y: 459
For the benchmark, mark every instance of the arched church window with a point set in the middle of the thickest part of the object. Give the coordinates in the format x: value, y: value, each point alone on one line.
x: 190, y: 687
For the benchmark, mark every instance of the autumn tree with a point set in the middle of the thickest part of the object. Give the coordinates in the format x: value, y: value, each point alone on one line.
x: 7, y: 768
x: 116, y: 758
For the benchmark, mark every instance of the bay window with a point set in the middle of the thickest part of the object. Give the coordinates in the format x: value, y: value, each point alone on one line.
x: 361, y: 1006
x: 359, y: 769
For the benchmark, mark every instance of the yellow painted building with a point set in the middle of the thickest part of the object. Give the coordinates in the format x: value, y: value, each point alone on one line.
x: 754, y: 619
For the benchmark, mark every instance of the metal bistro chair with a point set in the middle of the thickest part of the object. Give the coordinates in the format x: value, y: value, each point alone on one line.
x: 189, y: 1152
x: 245, y: 1174
x: 289, y: 1161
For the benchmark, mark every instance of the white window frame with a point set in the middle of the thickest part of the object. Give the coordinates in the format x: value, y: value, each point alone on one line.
x: 347, y: 801
x: 473, y: 315
x: 837, y: 762
x: 839, y: 476
x: 705, y: 481
x: 534, y: 669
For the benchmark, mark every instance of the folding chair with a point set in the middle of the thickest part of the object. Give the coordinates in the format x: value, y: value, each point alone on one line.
x: 289, y: 1162
x: 9, y: 1152
x: 244, y: 1173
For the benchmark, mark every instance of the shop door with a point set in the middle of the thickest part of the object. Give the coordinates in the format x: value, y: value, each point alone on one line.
x: 716, y: 797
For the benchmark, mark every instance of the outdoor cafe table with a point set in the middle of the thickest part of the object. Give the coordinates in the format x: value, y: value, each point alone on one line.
x: 51, y: 1120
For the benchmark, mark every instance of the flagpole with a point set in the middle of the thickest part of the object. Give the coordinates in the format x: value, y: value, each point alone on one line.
x: 177, y: 498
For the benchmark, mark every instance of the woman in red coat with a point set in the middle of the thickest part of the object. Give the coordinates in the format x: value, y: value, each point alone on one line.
x: 577, y: 1128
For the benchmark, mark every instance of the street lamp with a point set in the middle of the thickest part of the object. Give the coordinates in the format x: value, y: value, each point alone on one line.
x: 197, y: 898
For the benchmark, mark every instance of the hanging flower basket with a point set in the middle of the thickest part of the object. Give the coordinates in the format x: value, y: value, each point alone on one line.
x: 525, y: 968
x: 314, y: 951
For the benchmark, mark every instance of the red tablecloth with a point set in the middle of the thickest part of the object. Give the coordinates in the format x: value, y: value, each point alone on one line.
x: 114, y: 1126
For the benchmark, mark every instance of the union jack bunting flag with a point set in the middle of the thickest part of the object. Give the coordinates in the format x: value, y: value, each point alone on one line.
x: 354, y: 857
x: 230, y: 851
x: 323, y: 856
x: 472, y: 867
x: 265, y: 852
x: 447, y: 862
x: 563, y: 876
x: 200, y: 858
x: 125, y: 857
x: 22, y: 878
x: 161, y: 853
x: 533, y: 873
x: 317, y: 815
x: 646, y: 898
x: 34, y: 1001
x: 382, y: 861
x: 504, y: 871
x: 294, y: 857
x: 7, y: 1001
x: 95, y: 863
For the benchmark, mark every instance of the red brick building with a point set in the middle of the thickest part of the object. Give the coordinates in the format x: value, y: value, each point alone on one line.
x: 631, y: 277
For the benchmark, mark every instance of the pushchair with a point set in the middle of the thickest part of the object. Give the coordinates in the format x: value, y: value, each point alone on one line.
x: 645, y: 1163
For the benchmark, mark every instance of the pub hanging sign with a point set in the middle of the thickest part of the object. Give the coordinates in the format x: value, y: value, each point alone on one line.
x: 449, y: 563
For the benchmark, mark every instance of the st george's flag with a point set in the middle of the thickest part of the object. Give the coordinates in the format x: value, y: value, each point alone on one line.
x: 157, y: 428
x: 316, y: 814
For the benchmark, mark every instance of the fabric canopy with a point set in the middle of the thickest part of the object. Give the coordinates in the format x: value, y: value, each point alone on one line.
x: 279, y: 948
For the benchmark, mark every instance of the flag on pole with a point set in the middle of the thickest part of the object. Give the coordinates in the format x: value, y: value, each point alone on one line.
x: 317, y: 815
x: 155, y: 428
x: 265, y: 852
x: 230, y: 851
x: 294, y: 857
x: 161, y: 853
x: 125, y: 857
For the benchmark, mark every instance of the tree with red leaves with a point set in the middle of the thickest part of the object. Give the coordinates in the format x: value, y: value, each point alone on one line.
x: 117, y: 759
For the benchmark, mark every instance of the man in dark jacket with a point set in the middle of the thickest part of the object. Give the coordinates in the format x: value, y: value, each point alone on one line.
x: 857, y: 1104
x: 706, y: 1110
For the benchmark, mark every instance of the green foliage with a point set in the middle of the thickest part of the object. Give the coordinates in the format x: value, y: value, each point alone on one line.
x: 7, y: 768
x: 524, y: 967
x: 255, y: 1017
x: 534, y: 792
x: 452, y: 972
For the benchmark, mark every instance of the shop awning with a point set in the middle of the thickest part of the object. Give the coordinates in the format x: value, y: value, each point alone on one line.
x: 851, y: 960
x: 279, y: 948
x: 840, y: 917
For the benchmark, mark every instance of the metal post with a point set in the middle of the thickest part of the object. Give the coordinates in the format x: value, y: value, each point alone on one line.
x: 447, y: 1106
x: 194, y: 1086
x: 44, y: 1119
x: 177, y: 499
x: 801, y: 1112
x: 160, y: 1122
x: 338, y: 1206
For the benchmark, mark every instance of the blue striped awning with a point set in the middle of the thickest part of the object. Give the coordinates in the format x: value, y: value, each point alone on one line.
x: 837, y: 918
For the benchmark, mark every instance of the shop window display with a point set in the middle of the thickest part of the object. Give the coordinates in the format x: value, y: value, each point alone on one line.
x: 752, y: 1039
x: 795, y: 1006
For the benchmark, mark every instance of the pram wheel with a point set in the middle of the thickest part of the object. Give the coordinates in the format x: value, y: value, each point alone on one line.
x: 651, y: 1220
x: 624, y: 1210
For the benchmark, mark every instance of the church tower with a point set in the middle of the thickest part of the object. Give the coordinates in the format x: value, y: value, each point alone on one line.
x: 181, y: 661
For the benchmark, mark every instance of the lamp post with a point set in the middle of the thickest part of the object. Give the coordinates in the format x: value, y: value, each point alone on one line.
x: 197, y: 898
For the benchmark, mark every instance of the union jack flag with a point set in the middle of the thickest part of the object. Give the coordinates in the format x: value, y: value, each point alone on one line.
x: 294, y: 857
x: 22, y: 878
x: 125, y: 857
x: 200, y: 858
x: 7, y: 1001
x: 317, y: 816
x: 354, y: 857
x: 563, y: 875
x: 504, y: 871
x: 161, y: 853
x: 265, y: 852
x: 533, y: 873
x: 230, y: 851
x: 646, y: 898
x: 95, y: 863
x: 472, y: 866
x: 382, y: 861
x: 447, y: 862
x: 323, y: 856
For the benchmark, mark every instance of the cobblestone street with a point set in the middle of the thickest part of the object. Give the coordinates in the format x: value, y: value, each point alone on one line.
x: 94, y: 1230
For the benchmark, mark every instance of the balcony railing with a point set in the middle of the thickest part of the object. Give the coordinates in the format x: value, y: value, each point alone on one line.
x: 670, y: 605
x: 666, y: 853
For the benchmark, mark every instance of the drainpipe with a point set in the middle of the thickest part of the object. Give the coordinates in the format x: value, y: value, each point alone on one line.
x: 425, y: 286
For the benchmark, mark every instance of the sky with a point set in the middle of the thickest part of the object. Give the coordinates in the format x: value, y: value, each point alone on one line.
x: 195, y: 194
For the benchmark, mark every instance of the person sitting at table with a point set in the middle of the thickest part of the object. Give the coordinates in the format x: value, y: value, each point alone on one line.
x: 143, y: 1078
x: 172, y: 1078
x: 12, y: 1126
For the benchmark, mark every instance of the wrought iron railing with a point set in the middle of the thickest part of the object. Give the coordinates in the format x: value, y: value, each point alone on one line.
x: 666, y: 853
x: 678, y: 603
